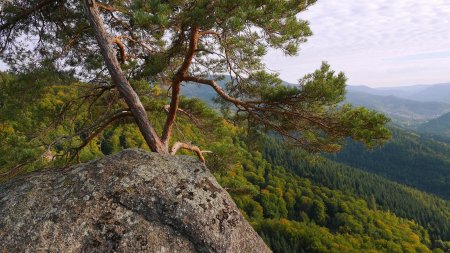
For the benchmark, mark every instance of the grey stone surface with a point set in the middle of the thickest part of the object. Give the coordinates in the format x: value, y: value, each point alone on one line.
x: 133, y: 201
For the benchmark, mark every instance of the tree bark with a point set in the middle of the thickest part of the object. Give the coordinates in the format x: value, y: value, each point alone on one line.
x: 119, y: 78
x: 176, y: 82
x: 179, y: 145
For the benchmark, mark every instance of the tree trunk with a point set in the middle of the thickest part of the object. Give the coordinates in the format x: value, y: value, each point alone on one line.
x: 176, y: 82
x: 119, y: 78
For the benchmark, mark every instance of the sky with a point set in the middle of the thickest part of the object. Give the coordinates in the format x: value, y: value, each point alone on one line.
x: 376, y: 43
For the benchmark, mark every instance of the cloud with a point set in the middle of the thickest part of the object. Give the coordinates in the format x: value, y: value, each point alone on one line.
x: 358, y: 36
x: 3, y: 66
x: 422, y: 56
x: 375, y: 42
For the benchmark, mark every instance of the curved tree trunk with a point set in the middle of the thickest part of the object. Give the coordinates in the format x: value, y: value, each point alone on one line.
x: 176, y: 82
x: 119, y: 78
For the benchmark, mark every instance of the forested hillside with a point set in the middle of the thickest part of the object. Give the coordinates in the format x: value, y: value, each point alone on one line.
x: 428, y: 210
x: 403, y: 111
x: 294, y: 214
x: 438, y: 126
x: 425, y: 93
x: 291, y: 212
x: 409, y: 158
x: 418, y: 160
x: 90, y: 78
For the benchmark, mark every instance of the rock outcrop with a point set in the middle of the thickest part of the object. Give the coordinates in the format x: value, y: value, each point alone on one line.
x: 133, y: 201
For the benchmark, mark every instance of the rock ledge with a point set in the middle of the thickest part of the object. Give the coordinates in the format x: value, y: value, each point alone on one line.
x: 133, y: 201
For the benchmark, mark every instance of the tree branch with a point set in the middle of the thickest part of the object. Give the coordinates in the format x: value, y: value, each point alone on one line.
x: 179, y: 77
x: 180, y: 145
x: 25, y: 14
x: 100, y: 128
x: 137, y: 41
x: 221, y: 92
x: 6, y: 29
x: 122, y: 49
x: 106, y: 7
x: 12, y: 172
x: 254, y: 108
x: 118, y: 76
x: 209, y: 32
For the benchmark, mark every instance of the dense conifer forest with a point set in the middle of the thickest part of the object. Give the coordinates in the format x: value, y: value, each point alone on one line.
x: 410, y: 158
x: 428, y: 210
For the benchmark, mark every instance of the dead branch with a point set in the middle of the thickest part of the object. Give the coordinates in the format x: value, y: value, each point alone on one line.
x: 73, y: 39
x: 180, y: 145
x: 209, y: 32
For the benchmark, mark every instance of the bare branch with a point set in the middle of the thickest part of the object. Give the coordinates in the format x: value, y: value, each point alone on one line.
x: 73, y: 39
x: 12, y: 172
x: 145, y: 46
x: 190, y: 116
x: 180, y: 145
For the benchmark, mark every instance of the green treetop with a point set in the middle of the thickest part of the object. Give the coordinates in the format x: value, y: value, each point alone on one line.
x: 134, y: 46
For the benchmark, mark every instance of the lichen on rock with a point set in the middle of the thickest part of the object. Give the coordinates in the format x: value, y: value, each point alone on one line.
x: 133, y: 201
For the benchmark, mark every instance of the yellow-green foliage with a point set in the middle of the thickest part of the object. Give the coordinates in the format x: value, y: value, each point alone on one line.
x: 291, y: 213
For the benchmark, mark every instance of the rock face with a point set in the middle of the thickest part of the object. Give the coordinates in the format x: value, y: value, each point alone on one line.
x: 133, y: 201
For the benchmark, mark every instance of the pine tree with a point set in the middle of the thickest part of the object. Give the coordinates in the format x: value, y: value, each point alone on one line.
x: 171, y: 43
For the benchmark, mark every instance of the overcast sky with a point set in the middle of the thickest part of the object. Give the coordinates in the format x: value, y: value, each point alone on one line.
x: 375, y: 42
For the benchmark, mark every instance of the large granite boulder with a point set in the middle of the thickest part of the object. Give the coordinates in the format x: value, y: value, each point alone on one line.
x: 133, y: 201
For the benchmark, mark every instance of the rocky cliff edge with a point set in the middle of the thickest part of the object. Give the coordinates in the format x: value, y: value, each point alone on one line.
x: 133, y: 201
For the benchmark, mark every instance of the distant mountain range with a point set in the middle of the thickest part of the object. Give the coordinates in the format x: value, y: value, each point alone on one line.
x: 403, y: 111
x: 199, y: 91
x: 407, y: 106
x: 423, y: 93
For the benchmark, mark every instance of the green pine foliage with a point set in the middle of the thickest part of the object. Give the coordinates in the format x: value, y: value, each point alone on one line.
x: 193, y: 41
x: 293, y: 213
